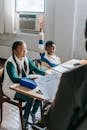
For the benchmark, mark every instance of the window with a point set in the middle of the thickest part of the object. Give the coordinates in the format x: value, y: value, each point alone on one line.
x: 30, y: 15
x: 30, y: 5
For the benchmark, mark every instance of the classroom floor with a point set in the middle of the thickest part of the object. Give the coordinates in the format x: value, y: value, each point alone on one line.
x: 11, y: 120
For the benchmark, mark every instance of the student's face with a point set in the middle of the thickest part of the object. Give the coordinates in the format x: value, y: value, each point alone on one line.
x: 51, y: 49
x: 21, y: 51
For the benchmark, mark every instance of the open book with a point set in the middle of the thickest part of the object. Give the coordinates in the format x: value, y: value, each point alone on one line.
x: 48, y: 85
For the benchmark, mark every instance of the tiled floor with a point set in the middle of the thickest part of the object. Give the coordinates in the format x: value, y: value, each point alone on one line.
x: 11, y: 119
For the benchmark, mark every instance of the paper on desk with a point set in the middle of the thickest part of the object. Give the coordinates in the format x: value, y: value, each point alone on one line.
x: 70, y: 64
x: 60, y: 69
x: 34, y: 76
x: 48, y: 85
x: 72, y: 61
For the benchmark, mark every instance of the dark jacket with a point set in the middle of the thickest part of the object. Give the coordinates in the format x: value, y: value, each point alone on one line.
x: 68, y: 110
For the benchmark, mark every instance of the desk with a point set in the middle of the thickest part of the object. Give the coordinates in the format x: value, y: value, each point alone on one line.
x: 71, y: 63
x: 28, y: 92
x: 47, y: 84
x: 66, y: 66
x: 45, y: 80
x: 51, y: 82
x: 32, y: 93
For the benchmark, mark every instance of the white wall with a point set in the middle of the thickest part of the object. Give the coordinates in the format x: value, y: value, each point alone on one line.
x: 7, y: 40
x: 65, y: 22
x: 64, y: 17
x: 50, y: 19
x: 32, y: 39
x: 79, y: 26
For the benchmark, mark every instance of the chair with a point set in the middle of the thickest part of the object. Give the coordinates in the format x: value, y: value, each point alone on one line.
x: 4, y: 98
x: 37, y: 62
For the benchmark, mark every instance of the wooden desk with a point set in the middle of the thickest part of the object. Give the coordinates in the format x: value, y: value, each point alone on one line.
x: 28, y: 92
x: 31, y: 93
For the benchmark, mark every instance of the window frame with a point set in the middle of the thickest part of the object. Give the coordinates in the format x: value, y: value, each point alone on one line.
x: 36, y: 31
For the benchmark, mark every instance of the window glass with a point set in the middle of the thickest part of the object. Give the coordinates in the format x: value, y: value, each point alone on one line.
x: 29, y: 15
x: 30, y: 5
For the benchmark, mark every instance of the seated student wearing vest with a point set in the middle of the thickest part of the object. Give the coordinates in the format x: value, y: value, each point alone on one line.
x: 16, y: 67
x: 49, y: 58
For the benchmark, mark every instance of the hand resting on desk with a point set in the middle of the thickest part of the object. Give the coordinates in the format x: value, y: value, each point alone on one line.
x: 49, y: 71
x: 83, y: 62
x: 34, y: 76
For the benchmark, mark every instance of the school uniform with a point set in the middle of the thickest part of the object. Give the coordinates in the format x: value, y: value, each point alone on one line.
x: 11, y: 76
x: 48, y: 61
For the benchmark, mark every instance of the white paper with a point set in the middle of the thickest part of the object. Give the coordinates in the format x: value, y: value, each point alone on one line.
x: 70, y: 64
x: 48, y: 85
x: 34, y: 76
x: 60, y: 69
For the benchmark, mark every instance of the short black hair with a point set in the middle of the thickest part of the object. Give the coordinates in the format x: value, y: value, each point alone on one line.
x: 48, y: 43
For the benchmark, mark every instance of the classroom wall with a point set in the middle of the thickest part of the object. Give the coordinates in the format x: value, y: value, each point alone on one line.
x: 7, y: 40
x: 31, y: 39
x: 64, y: 17
x: 65, y: 21
x: 79, y: 27
x: 70, y: 17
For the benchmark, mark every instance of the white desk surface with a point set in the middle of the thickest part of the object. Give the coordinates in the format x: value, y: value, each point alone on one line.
x: 66, y: 65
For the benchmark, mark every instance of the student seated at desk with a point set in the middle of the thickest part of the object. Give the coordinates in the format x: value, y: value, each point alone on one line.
x: 49, y: 58
x: 16, y: 67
